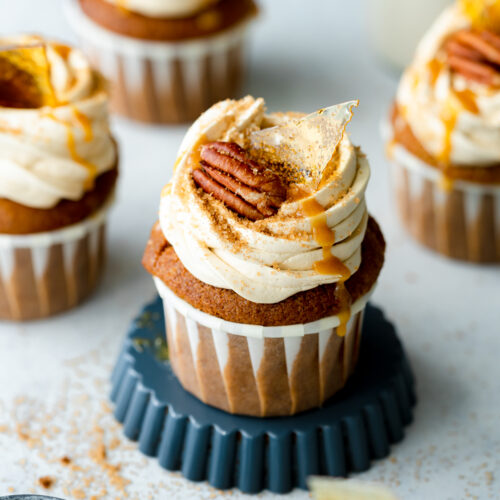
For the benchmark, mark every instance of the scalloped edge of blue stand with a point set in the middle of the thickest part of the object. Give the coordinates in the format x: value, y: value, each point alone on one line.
x: 354, y: 427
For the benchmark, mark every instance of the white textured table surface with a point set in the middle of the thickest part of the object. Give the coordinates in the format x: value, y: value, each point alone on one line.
x: 54, y: 374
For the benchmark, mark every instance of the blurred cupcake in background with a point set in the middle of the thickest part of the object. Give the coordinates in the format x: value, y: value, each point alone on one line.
x: 444, y: 135
x: 58, y: 169
x: 168, y: 60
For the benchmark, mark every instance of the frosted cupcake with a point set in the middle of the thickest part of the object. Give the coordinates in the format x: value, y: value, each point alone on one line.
x: 58, y: 169
x: 444, y: 135
x: 168, y: 60
x: 265, y: 257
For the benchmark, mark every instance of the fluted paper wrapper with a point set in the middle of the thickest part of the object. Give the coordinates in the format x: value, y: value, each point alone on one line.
x: 255, y: 370
x: 47, y: 273
x: 460, y: 221
x: 163, y: 82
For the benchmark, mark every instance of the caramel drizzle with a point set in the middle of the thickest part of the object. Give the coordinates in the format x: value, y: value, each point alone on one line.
x: 84, y: 122
x: 194, y: 155
x: 449, y: 118
x: 460, y: 100
x: 325, y: 237
x: 123, y: 7
x: 435, y: 66
x: 467, y: 99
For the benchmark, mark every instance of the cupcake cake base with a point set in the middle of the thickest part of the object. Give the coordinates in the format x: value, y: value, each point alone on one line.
x: 253, y: 454
x: 43, y: 274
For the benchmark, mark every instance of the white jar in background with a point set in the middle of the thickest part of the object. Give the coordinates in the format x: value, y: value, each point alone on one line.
x: 395, y: 26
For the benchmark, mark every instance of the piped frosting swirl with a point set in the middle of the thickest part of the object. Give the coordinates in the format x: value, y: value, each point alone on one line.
x: 314, y: 238
x: 51, y: 153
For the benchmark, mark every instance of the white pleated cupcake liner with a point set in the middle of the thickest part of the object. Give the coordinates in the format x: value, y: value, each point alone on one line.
x: 163, y: 82
x: 255, y: 331
x: 461, y: 220
x: 242, y: 351
x: 45, y: 273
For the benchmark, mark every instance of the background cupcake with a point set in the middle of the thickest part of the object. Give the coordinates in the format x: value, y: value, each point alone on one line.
x: 265, y: 256
x: 58, y: 168
x: 168, y: 59
x: 444, y: 135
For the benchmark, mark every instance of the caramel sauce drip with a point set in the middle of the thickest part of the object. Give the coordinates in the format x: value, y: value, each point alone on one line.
x: 329, y: 264
x: 122, y: 6
x: 446, y: 182
x: 91, y: 168
x: 193, y: 159
x: 449, y: 121
x: 70, y: 141
x: 194, y: 156
x: 344, y: 315
x: 435, y: 66
x: 462, y: 100
x: 467, y: 99
x: 85, y: 123
x: 63, y: 50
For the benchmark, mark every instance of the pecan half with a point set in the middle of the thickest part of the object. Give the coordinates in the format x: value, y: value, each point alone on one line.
x: 229, y: 174
x: 475, y: 55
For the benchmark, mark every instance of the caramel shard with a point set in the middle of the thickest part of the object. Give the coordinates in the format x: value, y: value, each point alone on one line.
x: 25, y: 77
x: 305, y: 146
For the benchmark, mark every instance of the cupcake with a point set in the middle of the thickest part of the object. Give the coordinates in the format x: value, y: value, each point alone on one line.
x: 168, y: 60
x: 265, y: 256
x: 443, y: 135
x: 58, y: 169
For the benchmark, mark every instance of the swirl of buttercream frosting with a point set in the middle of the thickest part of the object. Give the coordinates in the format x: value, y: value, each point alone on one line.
x: 268, y: 260
x: 52, y: 153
